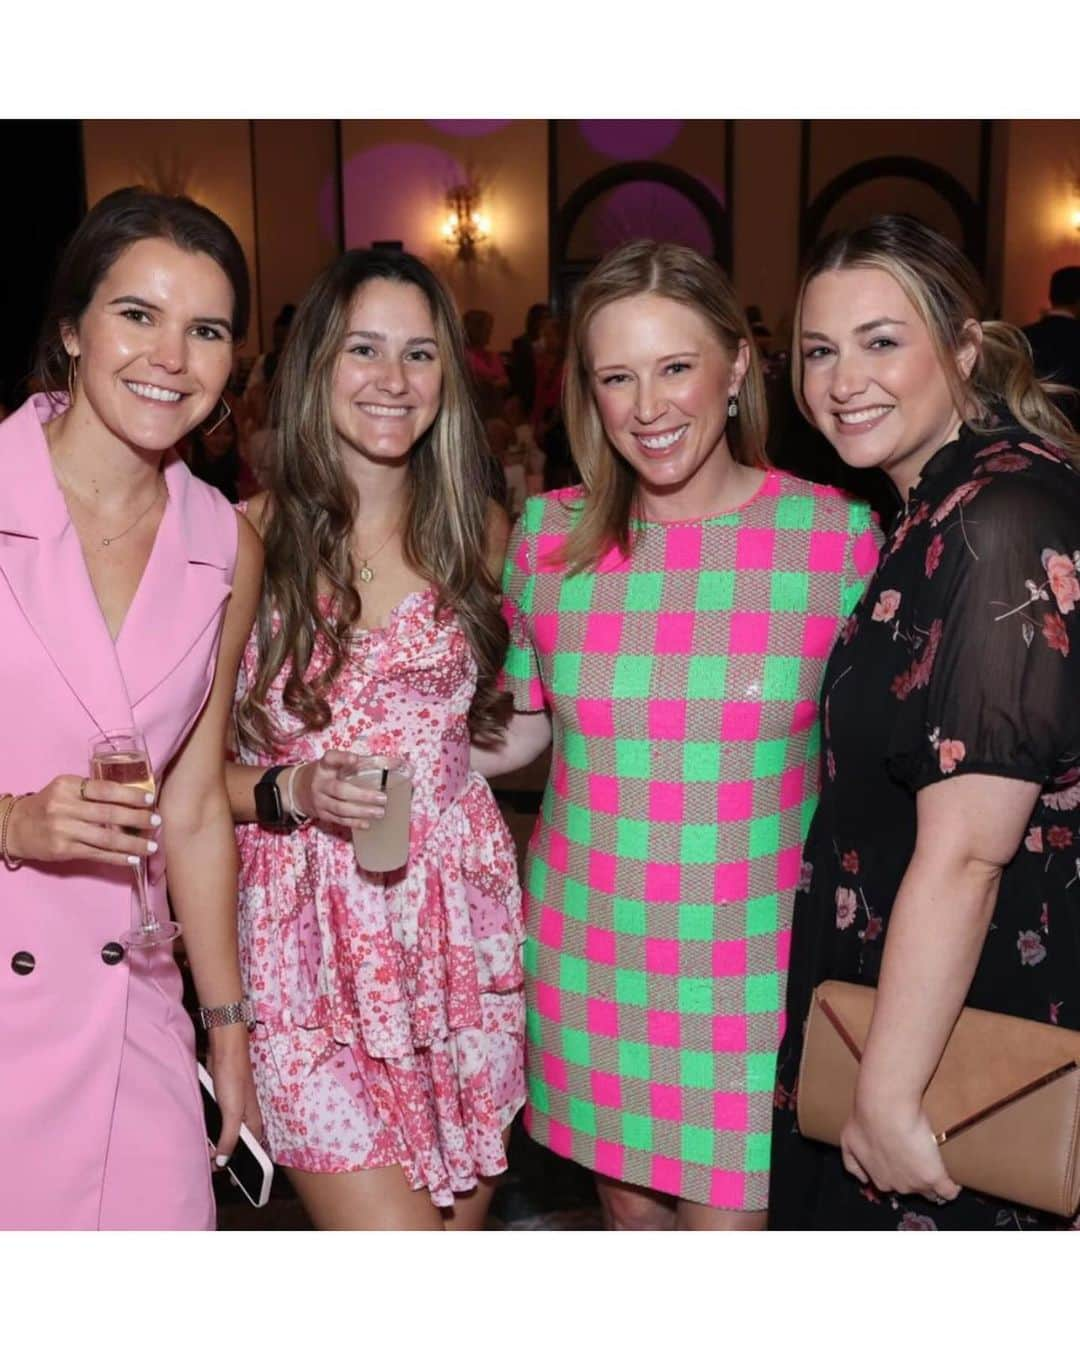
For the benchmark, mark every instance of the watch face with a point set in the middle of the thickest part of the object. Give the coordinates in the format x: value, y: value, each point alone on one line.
x: 268, y: 806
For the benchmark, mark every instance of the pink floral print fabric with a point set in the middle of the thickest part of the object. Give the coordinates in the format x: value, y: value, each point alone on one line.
x: 391, y: 1009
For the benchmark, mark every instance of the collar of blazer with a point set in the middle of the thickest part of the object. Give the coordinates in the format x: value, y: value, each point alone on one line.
x: 183, y: 589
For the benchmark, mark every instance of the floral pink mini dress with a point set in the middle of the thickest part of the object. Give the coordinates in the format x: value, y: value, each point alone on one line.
x: 390, y: 1008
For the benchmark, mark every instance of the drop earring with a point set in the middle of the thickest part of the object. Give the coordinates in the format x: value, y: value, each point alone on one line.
x: 733, y: 405
x: 209, y: 431
x: 73, y: 363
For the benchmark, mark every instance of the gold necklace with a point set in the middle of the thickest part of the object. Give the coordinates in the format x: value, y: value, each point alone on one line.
x: 365, y: 572
x: 112, y: 538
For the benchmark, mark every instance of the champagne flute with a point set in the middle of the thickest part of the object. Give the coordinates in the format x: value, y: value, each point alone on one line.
x: 122, y: 757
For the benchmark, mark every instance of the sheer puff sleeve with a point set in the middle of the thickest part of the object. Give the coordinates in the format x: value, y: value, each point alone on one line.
x: 994, y: 683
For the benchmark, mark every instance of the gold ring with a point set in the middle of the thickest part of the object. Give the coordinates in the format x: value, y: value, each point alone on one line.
x: 82, y: 788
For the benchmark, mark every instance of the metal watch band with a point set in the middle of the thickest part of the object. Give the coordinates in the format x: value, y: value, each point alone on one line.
x: 228, y: 1014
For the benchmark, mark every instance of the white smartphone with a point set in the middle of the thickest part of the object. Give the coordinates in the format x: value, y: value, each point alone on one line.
x: 250, y: 1166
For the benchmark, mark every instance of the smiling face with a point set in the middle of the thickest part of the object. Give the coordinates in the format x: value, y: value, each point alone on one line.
x: 872, y: 377
x: 661, y: 379
x: 388, y: 380
x: 154, y: 345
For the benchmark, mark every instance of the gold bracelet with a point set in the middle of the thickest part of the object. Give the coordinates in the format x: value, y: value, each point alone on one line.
x: 11, y: 801
x: 7, y: 805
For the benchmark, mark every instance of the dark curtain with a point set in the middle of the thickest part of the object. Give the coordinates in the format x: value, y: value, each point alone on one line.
x: 41, y: 168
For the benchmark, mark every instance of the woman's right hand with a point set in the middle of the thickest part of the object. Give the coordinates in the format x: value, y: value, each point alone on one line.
x: 83, y: 819
x: 321, y: 789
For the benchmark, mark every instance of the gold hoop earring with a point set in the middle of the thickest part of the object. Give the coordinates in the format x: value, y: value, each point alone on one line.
x: 73, y: 364
x: 209, y: 431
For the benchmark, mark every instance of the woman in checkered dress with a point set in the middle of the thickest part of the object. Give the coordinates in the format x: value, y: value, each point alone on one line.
x: 669, y: 622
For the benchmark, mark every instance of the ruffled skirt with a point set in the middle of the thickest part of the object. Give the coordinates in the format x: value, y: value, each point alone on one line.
x: 391, y: 1013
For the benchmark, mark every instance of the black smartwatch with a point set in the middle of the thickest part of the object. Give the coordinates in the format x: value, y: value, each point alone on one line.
x: 269, y: 808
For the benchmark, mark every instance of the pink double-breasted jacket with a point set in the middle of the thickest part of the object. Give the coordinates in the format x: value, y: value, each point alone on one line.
x: 100, y: 1122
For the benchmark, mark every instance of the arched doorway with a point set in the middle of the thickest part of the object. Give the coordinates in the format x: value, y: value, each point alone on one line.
x: 639, y: 199
x: 898, y: 183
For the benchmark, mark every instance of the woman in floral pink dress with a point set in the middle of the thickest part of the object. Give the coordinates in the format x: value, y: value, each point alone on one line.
x: 388, y: 1047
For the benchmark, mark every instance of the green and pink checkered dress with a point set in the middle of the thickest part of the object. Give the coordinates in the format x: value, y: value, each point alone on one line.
x: 683, y: 688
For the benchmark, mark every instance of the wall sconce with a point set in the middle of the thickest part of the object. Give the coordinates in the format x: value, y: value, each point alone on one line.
x: 465, y: 227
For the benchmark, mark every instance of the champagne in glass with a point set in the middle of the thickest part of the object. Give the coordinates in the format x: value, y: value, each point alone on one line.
x: 122, y: 757
x: 129, y: 768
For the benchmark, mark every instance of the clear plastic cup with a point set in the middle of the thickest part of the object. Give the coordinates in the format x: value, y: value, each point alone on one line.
x: 384, y: 845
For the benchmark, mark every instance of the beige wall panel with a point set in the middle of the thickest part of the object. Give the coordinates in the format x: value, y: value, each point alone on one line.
x: 296, y: 213
x: 1040, y: 203
x: 209, y: 161
x: 766, y: 224
x: 396, y: 174
x: 837, y: 145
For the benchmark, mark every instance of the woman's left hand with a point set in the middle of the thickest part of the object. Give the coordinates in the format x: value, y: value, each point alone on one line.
x: 230, y: 1068
x: 895, y: 1149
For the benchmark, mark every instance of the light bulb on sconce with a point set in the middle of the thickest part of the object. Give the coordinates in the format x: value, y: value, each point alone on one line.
x: 466, y: 227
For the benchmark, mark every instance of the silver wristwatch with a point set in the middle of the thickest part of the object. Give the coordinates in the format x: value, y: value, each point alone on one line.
x: 228, y: 1014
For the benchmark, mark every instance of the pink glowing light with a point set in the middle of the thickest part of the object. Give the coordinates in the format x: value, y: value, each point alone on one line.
x: 630, y: 138
x: 640, y: 210
x: 392, y: 191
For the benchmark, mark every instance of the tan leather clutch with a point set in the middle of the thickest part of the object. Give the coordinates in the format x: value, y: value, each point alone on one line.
x: 1004, y: 1101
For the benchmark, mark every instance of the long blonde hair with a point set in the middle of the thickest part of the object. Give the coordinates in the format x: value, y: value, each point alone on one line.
x: 312, y: 503
x: 677, y: 273
x: 946, y: 293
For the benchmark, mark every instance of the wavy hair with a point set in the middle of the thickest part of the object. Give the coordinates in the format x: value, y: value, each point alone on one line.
x: 644, y: 267
x: 946, y: 293
x: 311, y: 505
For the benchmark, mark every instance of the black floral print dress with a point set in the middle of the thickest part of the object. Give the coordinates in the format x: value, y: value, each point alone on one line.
x: 962, y: 657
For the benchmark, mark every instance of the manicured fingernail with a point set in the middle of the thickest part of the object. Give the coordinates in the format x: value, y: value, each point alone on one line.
x: 222, y: 1159
x: 151, y: 847
x: 155, y: 819
x: 148, y: 798
x: 133, y: 860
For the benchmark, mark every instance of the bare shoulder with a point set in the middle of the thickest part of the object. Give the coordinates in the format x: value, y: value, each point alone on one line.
x: 257, y: 511
x: 249, y: 546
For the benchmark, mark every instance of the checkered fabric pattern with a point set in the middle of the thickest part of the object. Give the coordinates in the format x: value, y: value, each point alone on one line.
x: 683, y: 686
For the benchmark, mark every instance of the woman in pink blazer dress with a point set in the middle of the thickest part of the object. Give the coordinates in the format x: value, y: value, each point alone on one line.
x: 121, y: 575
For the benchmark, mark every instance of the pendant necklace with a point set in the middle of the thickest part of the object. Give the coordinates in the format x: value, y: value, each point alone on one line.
x: 365, y: 572
x: 112, y: 538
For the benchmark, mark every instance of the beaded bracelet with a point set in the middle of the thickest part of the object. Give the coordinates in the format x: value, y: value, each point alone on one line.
x: 298, y: 816
x: 10, y: 801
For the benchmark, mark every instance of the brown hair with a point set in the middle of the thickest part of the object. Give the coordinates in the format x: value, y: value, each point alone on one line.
x: 311, y: 505
x: 946, y: 293
x: 119, y: 220
x: 687, y: 277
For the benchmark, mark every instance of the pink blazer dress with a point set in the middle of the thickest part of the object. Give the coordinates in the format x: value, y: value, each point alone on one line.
x: 100, y: 1120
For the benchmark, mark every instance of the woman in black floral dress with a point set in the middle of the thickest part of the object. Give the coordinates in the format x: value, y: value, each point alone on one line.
x: 943, y: 865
